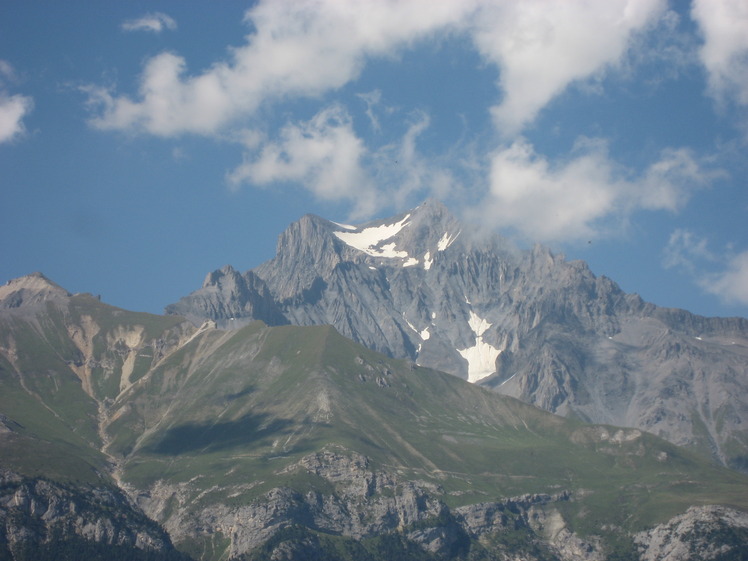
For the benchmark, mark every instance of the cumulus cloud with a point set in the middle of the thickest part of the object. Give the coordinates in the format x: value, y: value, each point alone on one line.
x: 171, y: 103
x: 325, y: 156
x: 322, y: 154
x: 308, y: 48
x: 13, y: 108
x: 155, y: 23
x: 541, y: 46
x: 403, y: 173
x: 297, y: 49
x: 569, y: 200
x: 12, y: 111
x: 724, y: 26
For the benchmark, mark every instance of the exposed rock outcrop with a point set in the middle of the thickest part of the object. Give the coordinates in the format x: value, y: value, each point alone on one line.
x: 365, y: 503
x: 529, y: 324
x: 701, y: 534
x: 36, y: 513
x: 231, y: 300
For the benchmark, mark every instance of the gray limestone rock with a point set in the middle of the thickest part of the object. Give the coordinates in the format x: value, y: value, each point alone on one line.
x: 528, y: 324
x: 700, y: 534
x: 35, y: 512
x: 230, y: 299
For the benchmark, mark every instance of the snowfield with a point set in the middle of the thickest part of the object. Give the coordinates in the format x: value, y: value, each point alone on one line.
x: 481, y: 357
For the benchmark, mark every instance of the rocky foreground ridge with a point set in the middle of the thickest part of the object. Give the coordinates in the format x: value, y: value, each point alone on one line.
x: 144, y: 437
x: 529, y: 324
x: 362, y: 505
x: 43, y: 519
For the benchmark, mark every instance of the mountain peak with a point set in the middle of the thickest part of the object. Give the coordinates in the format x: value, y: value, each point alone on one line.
x: 529, y: 324
x: 229, y: 298
x: 411, y: 238
x: 432, y: 207
x: 29, y: 289
x: 214, y: 277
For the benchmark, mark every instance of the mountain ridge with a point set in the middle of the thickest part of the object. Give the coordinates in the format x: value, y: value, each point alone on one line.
x: 289, y: 442
x: 530, y: 324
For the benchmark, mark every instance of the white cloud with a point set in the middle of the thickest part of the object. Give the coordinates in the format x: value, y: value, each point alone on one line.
x: 305, y: 48
x: 298, y: 49
x: 372, y: 99
x: 324, y: 155
x: 574, y: 199
x: 684, y: 249
x: 7, y: 74
x: 668, y: 183
x: 541, y: 46
x: 731, y: 285
x: 171, y: 103
x: 155, y: 23
x: 691, y: 254
x: 724, y: 26
x: 13, y: 108
x: 404, y: 174
x: 12, y: 111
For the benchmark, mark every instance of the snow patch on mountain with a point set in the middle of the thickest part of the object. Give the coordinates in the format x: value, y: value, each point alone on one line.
x: 446, y: 240
x: 368, y: 240
x: 478, y: 324
x: 481, y: 357
x: 377, y: 242
x: 423, y: 334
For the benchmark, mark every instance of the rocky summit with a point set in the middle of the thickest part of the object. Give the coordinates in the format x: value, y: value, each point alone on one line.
x: 143, y: 437
x: 529, y: 324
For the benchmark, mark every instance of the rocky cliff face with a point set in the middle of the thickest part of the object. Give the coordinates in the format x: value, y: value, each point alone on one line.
x: 30, y: 292
x: 362, y: 504
x: 708, y: 532
x: 40, y: 517
x: 528, y: 324
x: 230, y: 300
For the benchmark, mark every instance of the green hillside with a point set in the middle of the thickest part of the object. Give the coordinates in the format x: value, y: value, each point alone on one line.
x: 201, y: 427
x: 254, y: 400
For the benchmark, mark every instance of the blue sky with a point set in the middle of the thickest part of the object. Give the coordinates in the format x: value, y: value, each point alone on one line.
x: 144, y: 144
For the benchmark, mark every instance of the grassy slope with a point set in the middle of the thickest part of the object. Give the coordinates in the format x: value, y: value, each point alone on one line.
x: 54, y: 422
x: 237, y: 407
x: 234, y: 408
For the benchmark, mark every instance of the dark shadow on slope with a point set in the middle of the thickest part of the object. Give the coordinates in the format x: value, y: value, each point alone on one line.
x: 211, y: 437
x: 314, y: 293
x: 246, y: 391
